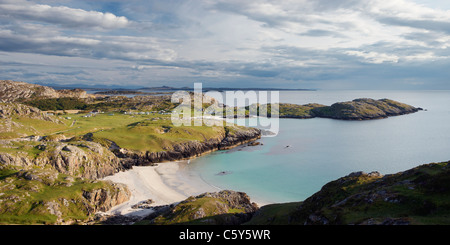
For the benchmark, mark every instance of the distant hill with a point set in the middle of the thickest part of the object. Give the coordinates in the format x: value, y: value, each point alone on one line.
x: 167, y: 88
x: 103, y: 87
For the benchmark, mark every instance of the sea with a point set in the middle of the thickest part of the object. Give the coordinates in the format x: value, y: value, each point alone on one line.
x: 308, y: 153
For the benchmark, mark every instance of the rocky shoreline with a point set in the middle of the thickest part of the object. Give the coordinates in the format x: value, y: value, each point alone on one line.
x: 187, y: 150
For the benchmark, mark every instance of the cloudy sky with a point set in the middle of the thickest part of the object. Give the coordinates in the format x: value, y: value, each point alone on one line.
x: 323, y: 44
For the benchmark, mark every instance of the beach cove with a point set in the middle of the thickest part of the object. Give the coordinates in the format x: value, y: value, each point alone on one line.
x: 164, y: 184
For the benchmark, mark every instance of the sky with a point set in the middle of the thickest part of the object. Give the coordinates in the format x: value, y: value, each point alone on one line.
x: 312, y: 44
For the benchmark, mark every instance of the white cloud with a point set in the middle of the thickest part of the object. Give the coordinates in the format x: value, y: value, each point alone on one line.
x: 61, y: 15
x: 50, y: 42
x: 374, y: 57
x: 424, y: 57
x: 362, y: 22
x: 257, y: 40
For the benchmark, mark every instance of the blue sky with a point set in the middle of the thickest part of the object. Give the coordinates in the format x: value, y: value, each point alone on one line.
x: 323, y: 44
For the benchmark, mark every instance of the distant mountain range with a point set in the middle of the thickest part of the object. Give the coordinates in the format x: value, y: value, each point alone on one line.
x: 160, y: 88
x: 224, y: 89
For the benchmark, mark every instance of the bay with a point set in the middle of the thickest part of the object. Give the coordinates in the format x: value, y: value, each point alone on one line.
x: 308, y: 153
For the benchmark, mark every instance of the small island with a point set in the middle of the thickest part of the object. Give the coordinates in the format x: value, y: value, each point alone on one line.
x: 358, y: 109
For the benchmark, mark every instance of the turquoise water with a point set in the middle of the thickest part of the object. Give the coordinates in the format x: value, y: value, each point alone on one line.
x: 321, y: 150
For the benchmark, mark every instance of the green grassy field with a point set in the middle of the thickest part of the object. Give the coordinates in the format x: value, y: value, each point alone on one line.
x: 24, y: 126
x: 84, y: 125
x: 140, y: 132
x: 156, y: 135
x: 154, y: 132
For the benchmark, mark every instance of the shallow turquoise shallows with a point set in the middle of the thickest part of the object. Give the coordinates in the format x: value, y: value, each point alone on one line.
x: 321, y: 150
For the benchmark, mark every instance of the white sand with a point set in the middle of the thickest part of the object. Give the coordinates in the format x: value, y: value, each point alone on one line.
x: 164, y: 184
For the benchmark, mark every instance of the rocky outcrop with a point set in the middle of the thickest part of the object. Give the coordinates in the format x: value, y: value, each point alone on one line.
x: 233, y: 199
x: 237, y: 137
x: 103, y: 199
x: 217, y: 208
x: 11, y: 91
x: 73, y: 93
x: 44, y: 196
x: 80, y: 158
x: 9, y: 110
x: 57, y: 181
x: 87, y: 159
x: 20, y: 160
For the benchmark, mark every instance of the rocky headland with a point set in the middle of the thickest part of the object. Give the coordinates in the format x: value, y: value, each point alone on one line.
x: 189, y: 149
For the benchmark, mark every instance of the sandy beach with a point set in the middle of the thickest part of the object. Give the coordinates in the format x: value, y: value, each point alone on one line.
x: 164, y: 184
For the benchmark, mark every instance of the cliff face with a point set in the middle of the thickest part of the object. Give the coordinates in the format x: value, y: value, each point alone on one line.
x: 11, y: 91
